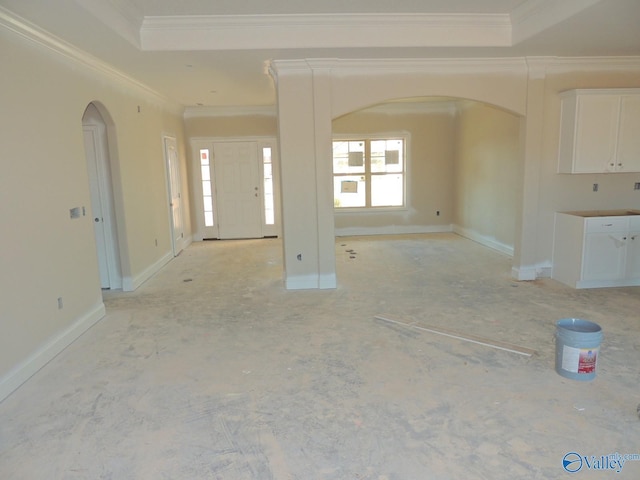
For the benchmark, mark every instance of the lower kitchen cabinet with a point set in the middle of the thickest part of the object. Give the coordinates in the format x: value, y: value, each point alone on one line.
x: 597, y: 249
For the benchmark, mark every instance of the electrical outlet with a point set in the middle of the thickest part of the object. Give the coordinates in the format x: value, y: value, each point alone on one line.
x: 636, y: 186
x: 437, y: 213
x: 595, y: 187
x: 60, y: 304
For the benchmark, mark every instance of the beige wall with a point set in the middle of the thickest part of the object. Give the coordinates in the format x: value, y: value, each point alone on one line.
x: 45, y: 254
x: 430, y: 169
x: 487, y: 165
x: 230, y: 126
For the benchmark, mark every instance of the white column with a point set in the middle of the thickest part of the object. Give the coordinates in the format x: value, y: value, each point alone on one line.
x: 304, y: 124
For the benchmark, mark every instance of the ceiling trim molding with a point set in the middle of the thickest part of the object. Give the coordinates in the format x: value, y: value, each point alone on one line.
x: 583, y: 64
x: 431, y: 66
x: 236, y: 32
x: 230, y: 111
x: 34, y: 34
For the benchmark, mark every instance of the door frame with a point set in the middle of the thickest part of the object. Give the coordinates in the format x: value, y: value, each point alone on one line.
x: 105, y: 194
x: 174, y: 178
x: 198, y: 143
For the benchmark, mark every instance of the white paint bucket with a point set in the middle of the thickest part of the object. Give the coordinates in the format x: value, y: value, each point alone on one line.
x: 577, y: 346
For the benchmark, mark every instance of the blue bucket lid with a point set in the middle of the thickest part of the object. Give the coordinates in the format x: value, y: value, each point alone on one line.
x: 578, y: 325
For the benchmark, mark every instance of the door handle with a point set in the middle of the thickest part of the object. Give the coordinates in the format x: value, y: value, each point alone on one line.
x: 96, y: 219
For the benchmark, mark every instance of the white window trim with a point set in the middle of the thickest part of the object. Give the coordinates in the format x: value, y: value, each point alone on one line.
x: 406, y: 136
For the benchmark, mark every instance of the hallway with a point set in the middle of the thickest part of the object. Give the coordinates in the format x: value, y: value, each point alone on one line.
x: 212, y: 370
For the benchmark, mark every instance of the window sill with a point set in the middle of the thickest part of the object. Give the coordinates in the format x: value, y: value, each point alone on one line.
x: 369, y: 210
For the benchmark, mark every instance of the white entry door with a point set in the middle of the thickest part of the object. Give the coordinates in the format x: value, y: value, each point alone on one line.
x: 175, y: 194
x: 238, y: 193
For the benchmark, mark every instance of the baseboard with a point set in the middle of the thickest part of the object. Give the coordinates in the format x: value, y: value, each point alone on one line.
x: 489, y: 242
x: 391, y: 230
x: 26, y: 369
x: 301, y: 282
x: 130, y: 284
x: 327, y: 281
x: 532, y: 272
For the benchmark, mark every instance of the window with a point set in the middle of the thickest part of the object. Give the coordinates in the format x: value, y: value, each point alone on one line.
x: 207, y: 196
x: 267, y: 164
x: 369, y: 172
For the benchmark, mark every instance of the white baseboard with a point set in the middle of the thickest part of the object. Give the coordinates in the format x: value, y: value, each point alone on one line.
x: 130, y: 284
x: 327, y: 281
x: 531, y: 272
x: 392, y: 230
x: 26, y: 369
x: 489, y: 242
x: 301, y: 282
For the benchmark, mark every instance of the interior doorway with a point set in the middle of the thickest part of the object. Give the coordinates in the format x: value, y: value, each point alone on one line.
x: 96, y: 144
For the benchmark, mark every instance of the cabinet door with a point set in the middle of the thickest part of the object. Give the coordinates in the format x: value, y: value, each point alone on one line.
x: 633, y: 255
x: 604, y: 256
x: 628, y: 155
x: 596, y: 133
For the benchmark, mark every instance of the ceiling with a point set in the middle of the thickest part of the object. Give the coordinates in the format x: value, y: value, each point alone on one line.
x: 213, y: 53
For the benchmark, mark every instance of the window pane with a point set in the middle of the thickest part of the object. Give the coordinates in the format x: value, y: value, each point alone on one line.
x: 266, y: 154
x: 348, y: 157
x: 204, y: 157
x: 387, y: 155
x: 206, y: 189
x: 349, y: 191
x: 269, y: 217
x: 386, y: 190
x: 206, y: 175
x: 208, y: 219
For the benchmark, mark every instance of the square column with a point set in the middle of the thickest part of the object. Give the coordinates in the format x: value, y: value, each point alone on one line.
x: 304, y: 130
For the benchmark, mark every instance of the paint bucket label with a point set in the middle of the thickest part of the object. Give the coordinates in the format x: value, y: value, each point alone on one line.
x: 579, y: 360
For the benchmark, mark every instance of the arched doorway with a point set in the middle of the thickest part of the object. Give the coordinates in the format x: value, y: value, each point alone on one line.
x: 460, y: 169
x: 96, y: 143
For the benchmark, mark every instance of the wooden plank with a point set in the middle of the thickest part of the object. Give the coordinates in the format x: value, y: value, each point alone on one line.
x: 508, y: 347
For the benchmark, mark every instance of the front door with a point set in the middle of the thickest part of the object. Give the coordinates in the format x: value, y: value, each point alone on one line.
x: 237, y: 182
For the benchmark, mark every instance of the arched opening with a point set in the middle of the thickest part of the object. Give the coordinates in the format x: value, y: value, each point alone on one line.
x: 97, y: 128
x: 458, y: 164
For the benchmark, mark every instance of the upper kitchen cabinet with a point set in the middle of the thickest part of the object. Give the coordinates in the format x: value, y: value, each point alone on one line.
x: 599, y: 131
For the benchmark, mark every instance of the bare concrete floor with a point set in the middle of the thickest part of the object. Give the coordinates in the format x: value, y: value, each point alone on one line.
x: 211, y: 370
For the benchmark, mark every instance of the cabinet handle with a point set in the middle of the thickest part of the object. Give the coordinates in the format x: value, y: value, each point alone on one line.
x: 634, y: 237
x: 607, y: 224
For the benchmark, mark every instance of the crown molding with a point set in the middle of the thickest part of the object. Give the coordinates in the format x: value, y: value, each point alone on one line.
x: 234, y: 32
x: 434, y: 66
x: 36, y: 35
x: 555, y: 65
x: 230, y: 111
